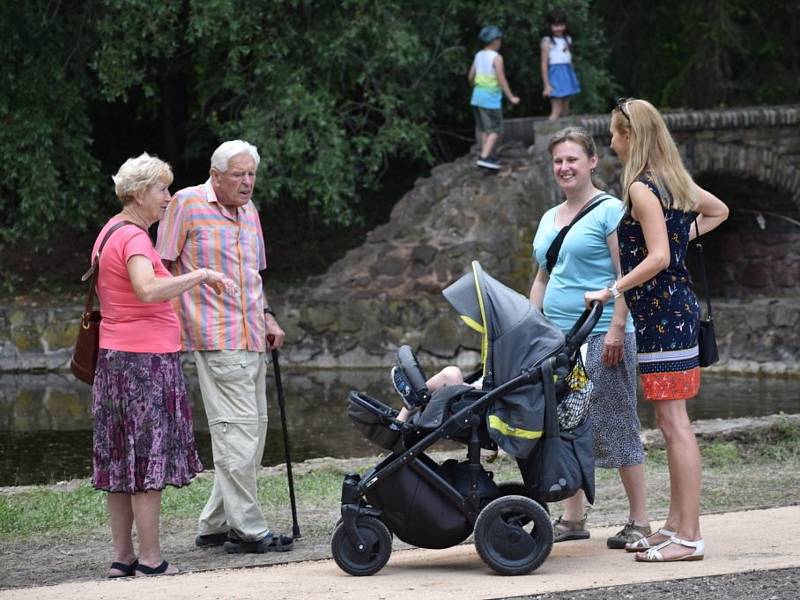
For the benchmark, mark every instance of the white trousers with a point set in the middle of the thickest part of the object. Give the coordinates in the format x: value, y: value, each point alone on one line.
x: 233, y: 386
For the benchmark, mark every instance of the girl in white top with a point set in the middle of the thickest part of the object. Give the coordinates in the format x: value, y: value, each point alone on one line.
x: 558, y: 76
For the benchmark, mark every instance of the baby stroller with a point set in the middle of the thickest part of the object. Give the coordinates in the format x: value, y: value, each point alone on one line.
x: 525, y: 361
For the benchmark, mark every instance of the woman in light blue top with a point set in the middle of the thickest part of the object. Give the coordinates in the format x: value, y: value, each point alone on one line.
x: 588, y: 256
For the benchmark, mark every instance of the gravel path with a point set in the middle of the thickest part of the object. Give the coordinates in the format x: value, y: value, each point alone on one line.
x: 781, y: 584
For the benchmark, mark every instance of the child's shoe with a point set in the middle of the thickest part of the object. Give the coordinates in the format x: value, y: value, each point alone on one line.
x: 403, y: 387
x: 489, y: 162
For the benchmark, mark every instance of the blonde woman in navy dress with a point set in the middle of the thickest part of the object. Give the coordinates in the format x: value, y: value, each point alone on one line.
x: 662, y: 202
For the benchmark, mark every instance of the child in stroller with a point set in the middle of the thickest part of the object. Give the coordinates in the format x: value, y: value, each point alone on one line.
x: 524, y: 360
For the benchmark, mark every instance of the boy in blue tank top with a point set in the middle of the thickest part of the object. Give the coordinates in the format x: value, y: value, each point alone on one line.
x: 488, y: 79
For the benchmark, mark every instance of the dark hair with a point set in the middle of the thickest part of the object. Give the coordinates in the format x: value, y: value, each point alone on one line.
x: 556, y: 17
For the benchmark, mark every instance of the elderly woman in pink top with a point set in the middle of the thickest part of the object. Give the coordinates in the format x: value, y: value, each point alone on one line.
x: 143, y: 436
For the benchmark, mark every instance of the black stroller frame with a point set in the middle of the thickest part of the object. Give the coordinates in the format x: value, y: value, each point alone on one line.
x: 362, y: 540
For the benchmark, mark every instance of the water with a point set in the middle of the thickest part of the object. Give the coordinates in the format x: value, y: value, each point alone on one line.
x: 45, y: 420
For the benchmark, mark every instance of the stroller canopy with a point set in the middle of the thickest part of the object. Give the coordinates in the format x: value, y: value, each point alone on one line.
x: 514, y: 336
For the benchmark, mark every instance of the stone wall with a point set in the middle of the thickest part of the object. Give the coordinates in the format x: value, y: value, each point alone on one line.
x: 761, y: 336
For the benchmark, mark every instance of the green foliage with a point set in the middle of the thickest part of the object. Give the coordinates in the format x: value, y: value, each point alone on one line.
x: 703, y: 54
x: 330, y: 92
x: 50, y: 177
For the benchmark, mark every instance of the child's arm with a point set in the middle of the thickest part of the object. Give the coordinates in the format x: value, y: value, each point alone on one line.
x: 501, y: 79
x: 471, y: 74
x: 545, y: 52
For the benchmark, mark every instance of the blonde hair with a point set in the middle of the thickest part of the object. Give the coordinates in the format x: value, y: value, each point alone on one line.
x: 578, y: 135
x: 137, y: 174
x: 652, y: 152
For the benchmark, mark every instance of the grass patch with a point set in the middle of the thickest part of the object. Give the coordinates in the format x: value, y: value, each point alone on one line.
x: 735, y: 474
x: 46, y: 511
x: 52, y: 511
x: 656, y: 458
x: 721, y: 455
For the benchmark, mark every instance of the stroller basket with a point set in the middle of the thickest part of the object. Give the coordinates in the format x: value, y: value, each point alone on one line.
x: 375, y: 420
x: 420, y: 497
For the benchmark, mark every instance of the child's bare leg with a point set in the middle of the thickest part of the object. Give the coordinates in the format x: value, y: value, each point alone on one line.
x: 488, y: 144
x: 447, y: 376
x: 556, y: 109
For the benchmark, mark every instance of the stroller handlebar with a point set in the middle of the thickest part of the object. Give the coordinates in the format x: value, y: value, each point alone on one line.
x: 583, y: 327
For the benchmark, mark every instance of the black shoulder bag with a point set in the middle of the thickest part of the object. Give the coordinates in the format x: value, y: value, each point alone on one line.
x: 555, y: 246
x: 706, y: 338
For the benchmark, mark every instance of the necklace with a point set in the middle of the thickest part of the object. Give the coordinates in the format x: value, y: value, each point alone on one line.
x: 133, y: 219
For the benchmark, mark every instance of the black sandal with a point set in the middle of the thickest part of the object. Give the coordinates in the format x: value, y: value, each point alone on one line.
x: 127, y: 570
x: 159, y: 570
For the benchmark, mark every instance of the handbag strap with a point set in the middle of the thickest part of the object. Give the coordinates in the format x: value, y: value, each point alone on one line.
x: 95, y: 268
x: 699, y: 246
x: 555, y: 245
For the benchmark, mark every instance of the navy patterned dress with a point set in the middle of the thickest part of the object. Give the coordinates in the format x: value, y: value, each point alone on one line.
x: 664, y: 309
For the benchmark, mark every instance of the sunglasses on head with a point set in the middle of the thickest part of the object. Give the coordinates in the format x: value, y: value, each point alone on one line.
x: 620, y: 106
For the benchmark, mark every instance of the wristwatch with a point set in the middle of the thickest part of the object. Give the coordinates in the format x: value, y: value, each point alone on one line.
x: 614, y: 291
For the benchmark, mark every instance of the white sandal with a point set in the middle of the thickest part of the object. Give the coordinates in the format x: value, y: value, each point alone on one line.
x: 654, y: 554
x: 643, y: 544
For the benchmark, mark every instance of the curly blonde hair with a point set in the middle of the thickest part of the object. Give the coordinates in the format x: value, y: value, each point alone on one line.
x: 137, y: 174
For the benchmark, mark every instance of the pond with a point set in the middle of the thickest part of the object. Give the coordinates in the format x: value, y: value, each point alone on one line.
x: 45, y: 420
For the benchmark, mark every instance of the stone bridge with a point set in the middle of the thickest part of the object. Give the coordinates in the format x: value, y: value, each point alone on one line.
x: 387, y: 291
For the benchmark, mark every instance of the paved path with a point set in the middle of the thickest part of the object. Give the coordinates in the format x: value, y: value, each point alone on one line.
x: 736, y: 542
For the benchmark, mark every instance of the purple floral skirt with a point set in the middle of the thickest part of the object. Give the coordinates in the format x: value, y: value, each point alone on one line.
x: 143, y: 436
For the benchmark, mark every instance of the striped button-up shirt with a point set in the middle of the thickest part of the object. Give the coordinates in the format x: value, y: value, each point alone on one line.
x: 194, y: 233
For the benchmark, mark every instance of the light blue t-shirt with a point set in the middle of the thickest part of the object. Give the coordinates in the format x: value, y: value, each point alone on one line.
x: 584, y: 264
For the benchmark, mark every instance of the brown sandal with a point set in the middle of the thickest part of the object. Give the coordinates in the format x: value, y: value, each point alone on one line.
x: 564, y: 530
x: 630, y: 534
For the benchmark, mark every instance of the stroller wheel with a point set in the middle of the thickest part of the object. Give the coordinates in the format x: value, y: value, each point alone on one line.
x: 379, y: 547
x: 513, y: 535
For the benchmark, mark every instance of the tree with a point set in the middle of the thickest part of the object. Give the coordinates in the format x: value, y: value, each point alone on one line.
x: 707, y: 53
x: 330, y: 92
x: 50, y: 177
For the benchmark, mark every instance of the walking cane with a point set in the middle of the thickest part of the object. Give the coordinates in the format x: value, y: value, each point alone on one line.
x: 287, y: 456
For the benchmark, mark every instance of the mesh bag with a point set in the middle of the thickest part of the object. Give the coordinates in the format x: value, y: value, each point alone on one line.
x: 574, y: 405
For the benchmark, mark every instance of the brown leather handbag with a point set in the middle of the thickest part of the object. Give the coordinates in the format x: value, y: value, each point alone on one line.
x: 84, y: 355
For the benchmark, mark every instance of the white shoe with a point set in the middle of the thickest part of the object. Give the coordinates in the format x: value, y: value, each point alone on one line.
x: 654, y: 554
x: 644, y: 543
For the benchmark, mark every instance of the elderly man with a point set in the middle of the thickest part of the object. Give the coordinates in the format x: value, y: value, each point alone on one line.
x: 216, y: 225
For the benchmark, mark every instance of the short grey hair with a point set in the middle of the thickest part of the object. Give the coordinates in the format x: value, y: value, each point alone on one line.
x: 137, y: 174
x: 226, y: 151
